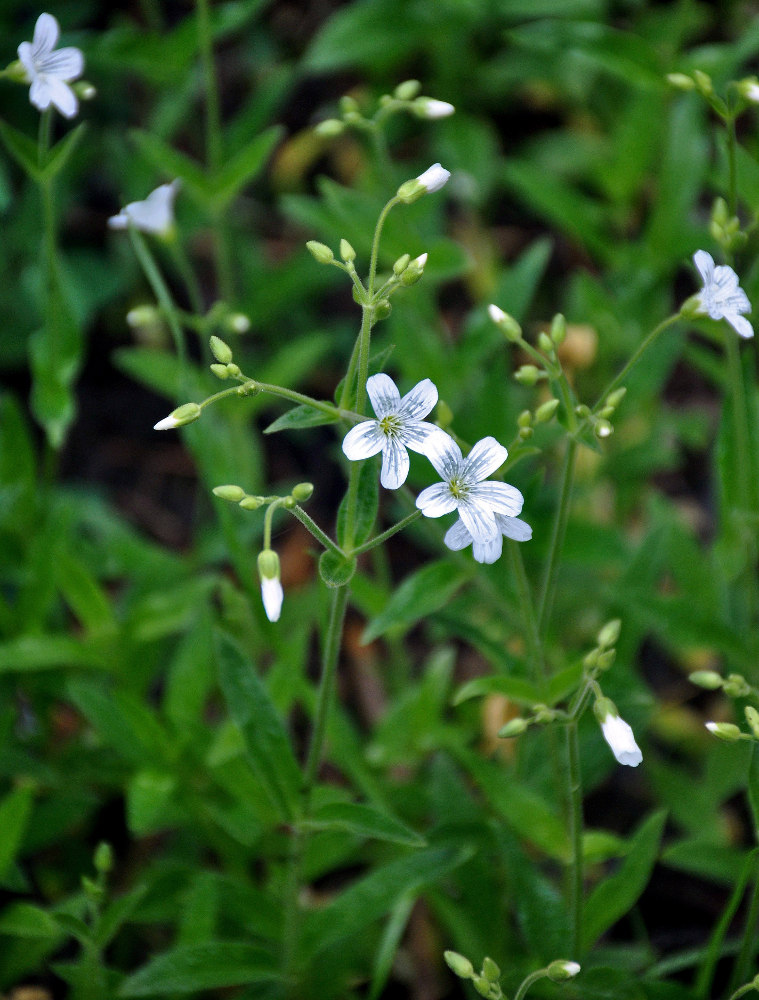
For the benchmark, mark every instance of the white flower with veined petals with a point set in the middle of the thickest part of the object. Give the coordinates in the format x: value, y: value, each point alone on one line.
x: 463, y: 487
x: 722, y: 297
x: 398, y: 426
x: 153, y: 215
x: 620, y: 738
x: 50, y: 72
x: 458, y: 537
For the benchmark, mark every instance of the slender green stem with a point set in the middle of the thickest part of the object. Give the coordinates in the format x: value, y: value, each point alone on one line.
x: 574, y: 789
x: 557, y: 537
x: 321, y: 536
x: 637, y: 355
x: 162, y: 293
x: 743, y: 990
x: 745, y: 958
x: 188, y: 276
x: 376, y: 242
x: 533, y: 978
x: 330, y: 657
x: 383, y: 537
x: 534, y: 645
x: 732, y: 175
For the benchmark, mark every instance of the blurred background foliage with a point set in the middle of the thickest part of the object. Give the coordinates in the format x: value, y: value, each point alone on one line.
x: 581, y: 183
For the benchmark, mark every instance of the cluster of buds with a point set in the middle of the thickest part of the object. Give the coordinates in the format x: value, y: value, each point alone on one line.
x: 528, y: 421
x: 600, y: 418
x: 726, y: 228
x: 734, y: 686
x: 487, y: 981
x: 224, y: 367
x: 405, y: 98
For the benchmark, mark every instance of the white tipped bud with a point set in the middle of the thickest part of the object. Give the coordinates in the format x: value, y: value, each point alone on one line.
x: 185, y: 414
x: 428, y: 107
x: 431, y: 180
x: 617, y: 733
x: 561, y: 969
x: 271, y: 587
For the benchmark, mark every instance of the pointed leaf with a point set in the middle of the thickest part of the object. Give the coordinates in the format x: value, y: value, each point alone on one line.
x: 300, y: 416
x: 363, y: 820
x: 209, y: 966
x: 419, y: 595
x: 243, y: 167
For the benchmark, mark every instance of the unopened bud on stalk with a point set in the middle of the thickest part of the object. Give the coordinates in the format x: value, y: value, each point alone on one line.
x: 558, y: 329
x: 320, y: 252
x: 609, y: 634
x: 703, y: 82
x: 681, y: 81
x: 708, y: 679
x: 428, y: 107
x: 347, y: 252
x: 736, y: 686
x: 524, y: 419
x: 616, y: 397
x: 407, y: 90
x: 302, y: 492
x: 220, y: 371
x: 514, y: 727
x: 527, y: 375
x: 458, y: 964
x: 546, y: 411
x: 141, y: 316
x: 414, y: 270
x: 508, y: 326
x: 401, y: 264
x: 545, y: 343
x: 251, y: 503
x: 271, y: 588
x: 185, y: 414
x: 603, y: 429
x: 329, y: 128
x: 490, y: 970
x: 233, y: 494
x: 431, y: 180
x: 561, y: 970
x: 725, y: 731
x: 237, y: 322
x: 752, y: 717
x: 221, y: 351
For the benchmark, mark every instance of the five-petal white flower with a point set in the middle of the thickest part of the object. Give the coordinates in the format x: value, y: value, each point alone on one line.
x: 398, y: 426
x: 50, y: 72
x: 620, y: 738
x: 722, y: 297
x: 463, y: 487
x: 153, y: 215
x: 488, y: 551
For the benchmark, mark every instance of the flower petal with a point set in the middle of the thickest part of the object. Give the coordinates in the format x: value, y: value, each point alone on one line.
x: 484, y: 458
x: 444, y: 454
x: 383, y: 394
x: 363, y: 440
x: 705, y: 264
x: 40, y: 93
x: 67, y: 64
x: 514, y: 527
x: 740, y: 324
x: 416, y: 433
x: 436, y: 500
x: 27, y: 59
x: 419, y: 401
x: 457, y: 537
x: 395, y: 464
x: 46, y: 32
x: 479, y: 520
x: 272, y: 596
x: 499, y: 497
x: 62, y: 96
x: 620, y: 738
x: 488, y: 551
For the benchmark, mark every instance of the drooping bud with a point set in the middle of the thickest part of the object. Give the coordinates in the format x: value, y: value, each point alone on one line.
x: 561, y: 970
x: 229, y: 492
x: 271, y: 588
x: 185, y: 414
x: 508, y: 326
x: 431, y: 180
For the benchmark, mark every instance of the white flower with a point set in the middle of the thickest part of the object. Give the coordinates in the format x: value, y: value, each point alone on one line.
x: 620, y: 738
x: 463, y: 487
x: 398, y: 426
x: 50, y: 72
x: 428, y: 107
x: 271, y: 586
x: 153, y: 215
x: 458, y: 537
x: 272, y: 596
x: 433, y: 178
x: 722, y: 297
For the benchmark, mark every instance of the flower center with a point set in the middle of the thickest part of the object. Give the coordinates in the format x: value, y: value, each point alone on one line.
x: 458, y: 487
x: 390, y: 425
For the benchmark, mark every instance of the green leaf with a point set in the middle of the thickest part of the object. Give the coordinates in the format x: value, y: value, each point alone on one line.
x: 171, y: 163
x: 363, y: 820
x: 301, y: 416
x: 23, y: 150
x: 336, y: 570
x: 374, y: 895
x: 366, y: 506
x: 41, y: 652
x: 116, y: 914
x: 512, y: 687
x: 149, y: 805
x: 208, y: 966
x: 419, y: 595
x: 15, y: 810
x: 242, y: 168
x: 267, y: 744
x: 25, y: 920
x: 616, y: 895
x: 61, y: 153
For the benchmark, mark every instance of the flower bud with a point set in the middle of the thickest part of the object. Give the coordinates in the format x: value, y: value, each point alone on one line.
x: 483, y: 987
x: 606, y: 412
x: 508, y: 326
x: 545, y: 343
x: 382, y: 310
x: 251, y: 503
x: 752, y: 717
x: 609, y: 634
x: 271, y: 588
x: 606, y: 659
x: 459, y: 965
x: 428, y: 107
x: 524, y: 419
x: 347, y: 252
x: 431, y: 180
x: 490, y: 970
x: 320, y: 252
x: 514, y: 727
x: 248, y: 388
x: 229, y: 492
x: 220, y: 371
x: 749, y: 88
x: 185, y: 414
x: 142, y: 316
x: 407, y: 91
x: 703, y: 82
x: 736, y: 686
x: 561, y: 970
x: 525, y: 433
x: 414, y: 270
x: 725, y: 731
x: 302, y: 492
x: 103, y: 859
x: 617, y: 733
x: 582, y: 411
x: 84, y: 90
x: 681, y: 81
x: 233, y: 369
x: 401, y: 264
x: 546, y: 412
x: 237, y: 322
x: 616, y: 397
x: 603, y: 429
x: 708, y: 679
x: 558, y: 329
x: 349, y: 105
x: 329, y: 128
x: 527, y: 375
x: 221, y: 351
